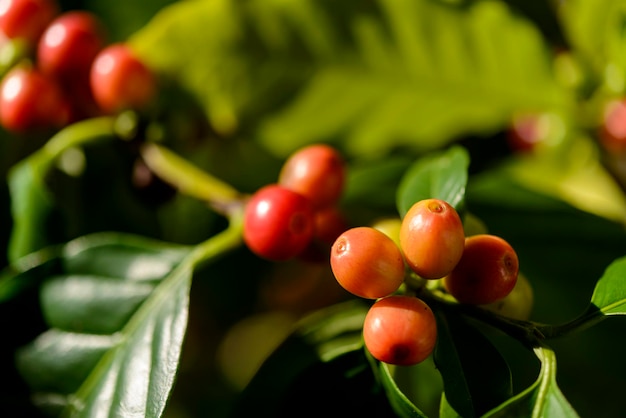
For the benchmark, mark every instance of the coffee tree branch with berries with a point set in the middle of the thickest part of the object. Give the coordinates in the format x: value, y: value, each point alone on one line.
x: 312, y: 208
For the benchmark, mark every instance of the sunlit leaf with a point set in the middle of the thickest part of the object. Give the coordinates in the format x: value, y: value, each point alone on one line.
x: 573, y: 174
x: 422, y: 73
x: 475, y: 375
x: 595, y: 29
x: 117, y: 312
x: 609, y: 295
x: 373, y: 76
x: 441, y: 175
x: 543, y: 399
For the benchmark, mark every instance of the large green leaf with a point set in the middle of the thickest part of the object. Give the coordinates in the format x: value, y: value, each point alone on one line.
x: 400, y: 403
x: 31, y: 202
x: 475, y: 375
x: 574, y: 174
x: 441, y: 175
x: 543, y: 399
x: 609, y: 295
x: 595, y: 30
x: 117, y: 312
x: 377, y: 75
x: 420, y: 74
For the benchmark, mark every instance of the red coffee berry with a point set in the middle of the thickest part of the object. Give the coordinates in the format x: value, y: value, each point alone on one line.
x: 316, y: 171
x: 487, y: 271
x: 400, y: 330
x: 69, y: 45
x: 26, y: 19
x: 367, y: 263
x: 278, y: 223
x: 613, y: 127
x: 120, y: 80
x: 31, y: 101
x: 432, y: 238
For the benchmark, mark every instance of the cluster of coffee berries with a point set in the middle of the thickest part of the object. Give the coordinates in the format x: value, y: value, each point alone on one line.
x: 66, y: 71
x: 431, y: 243
x: 299, y: 215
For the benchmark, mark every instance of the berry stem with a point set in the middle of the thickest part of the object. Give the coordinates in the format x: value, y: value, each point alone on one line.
x: 191, y: 180
x: 73, y: 135
x: 221, y: 243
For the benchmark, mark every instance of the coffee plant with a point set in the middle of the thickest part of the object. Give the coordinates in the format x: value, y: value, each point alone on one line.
x: 268, y: 208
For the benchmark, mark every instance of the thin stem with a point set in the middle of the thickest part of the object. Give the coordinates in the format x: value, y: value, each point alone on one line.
x: 191, y: 180
x: 527, y: 332
x: 76, y: 134
x: 219, y: 244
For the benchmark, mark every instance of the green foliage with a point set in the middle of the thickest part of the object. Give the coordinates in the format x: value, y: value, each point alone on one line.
x: 123, y: 316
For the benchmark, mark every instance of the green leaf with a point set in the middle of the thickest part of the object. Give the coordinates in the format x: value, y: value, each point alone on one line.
x: 441, y: 175
x: 322, y: 365
x: 31, y: 206
x: 574, y: 174
x: 374, y: 77
x: 609, y: 295
x: 543, y: 399
x: 475, y: 375
x: 421, y: 73
x: 595, y: 29
x: 117, y: 313
x: 401, y: 405
x: 31, y: 203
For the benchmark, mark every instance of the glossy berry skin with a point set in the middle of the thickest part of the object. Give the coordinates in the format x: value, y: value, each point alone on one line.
x: 30, y: 101
x: 69, y: 45
x: 432, y: 238
x: 120, y: 80
x: 278, y: 223
x: 367, y: 263
x: 486, y: 273
x: 613, y: 128
x: 26, y: 19
x: 400, y: 330
x: 316, y: 171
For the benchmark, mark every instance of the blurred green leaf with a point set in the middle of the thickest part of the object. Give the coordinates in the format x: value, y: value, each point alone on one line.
x: 543, y: 399
x: 401, y: 405
x: 420, y: 74
x: 31, y: 206
x: 609, y: 295
x: 117, y: 315
x: 595, y: 30
x: 574, y: 174
x: 387, y: 74
x: 31, y: 203
x: 476, y: 377
x: 441, y: 175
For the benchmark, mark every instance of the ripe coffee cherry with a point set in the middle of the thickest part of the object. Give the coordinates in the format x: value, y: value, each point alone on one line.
x: 400, y: 330
x: 26, y: 19
x: 278, y: 223
x: 518, y: 304
x: 120, y: 80
x: 613, y: 128
x: 31, y: 101
x: 317, y: 172
x: 487, y: 272
x: 69, y: 45
x: 432, y: 238
x: 367, y: 263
